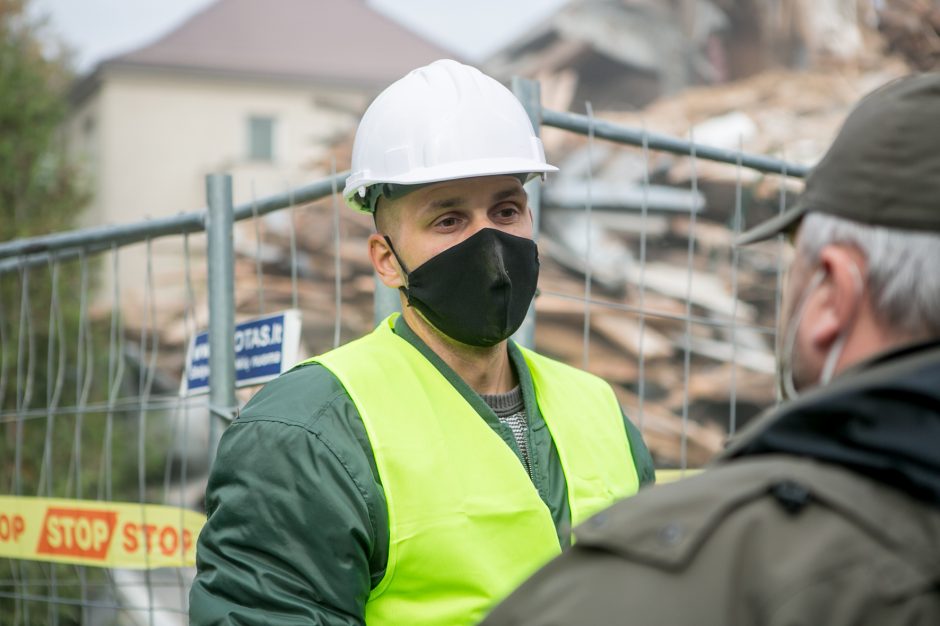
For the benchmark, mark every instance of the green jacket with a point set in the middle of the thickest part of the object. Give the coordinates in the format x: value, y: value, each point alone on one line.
x: 824, y: 511
x: 297, y: 531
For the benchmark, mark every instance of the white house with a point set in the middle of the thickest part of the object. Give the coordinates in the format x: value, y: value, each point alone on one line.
x: 255, y: 89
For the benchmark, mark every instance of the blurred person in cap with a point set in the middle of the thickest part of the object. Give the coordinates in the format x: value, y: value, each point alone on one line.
x: 826, y: 510
x: 417, y: 475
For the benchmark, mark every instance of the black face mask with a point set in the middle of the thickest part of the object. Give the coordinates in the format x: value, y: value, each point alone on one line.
x: 477, y: 292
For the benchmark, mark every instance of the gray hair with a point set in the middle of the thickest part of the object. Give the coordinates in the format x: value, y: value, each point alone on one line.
x: 903, y: 269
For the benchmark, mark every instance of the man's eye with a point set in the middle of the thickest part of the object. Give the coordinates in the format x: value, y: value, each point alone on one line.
x: 447, y: 222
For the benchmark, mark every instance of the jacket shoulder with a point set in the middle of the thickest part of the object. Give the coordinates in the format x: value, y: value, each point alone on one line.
x: 772, y: 541
x: 300, y: 396
x: 798, y: 517
x: 311, y: 398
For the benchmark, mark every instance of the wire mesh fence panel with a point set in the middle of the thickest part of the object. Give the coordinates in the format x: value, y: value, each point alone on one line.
x: 105, y: 446
x: 90, y: 428
x: 677, y: 318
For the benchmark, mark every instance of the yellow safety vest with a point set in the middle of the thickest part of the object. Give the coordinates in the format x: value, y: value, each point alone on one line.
x: 466, y: 524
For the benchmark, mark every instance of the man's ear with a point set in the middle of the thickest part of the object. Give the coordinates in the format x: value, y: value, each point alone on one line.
x: 384, y: 262
x: 840, y: 296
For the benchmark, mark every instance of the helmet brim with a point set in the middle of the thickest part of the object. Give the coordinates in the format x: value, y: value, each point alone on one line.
x: 449, y: 171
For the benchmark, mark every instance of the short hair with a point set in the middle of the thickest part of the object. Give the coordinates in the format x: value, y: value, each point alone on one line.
x: 387, y: 217
x: 903, y: 269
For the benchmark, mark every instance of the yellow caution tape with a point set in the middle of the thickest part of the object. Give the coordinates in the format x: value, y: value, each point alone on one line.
x: 670, y: 475
x: 100, y: 534
x: 117, y: 534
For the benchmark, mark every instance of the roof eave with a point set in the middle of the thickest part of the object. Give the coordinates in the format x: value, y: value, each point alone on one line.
x: 84, y: 87
x: 254, y: 76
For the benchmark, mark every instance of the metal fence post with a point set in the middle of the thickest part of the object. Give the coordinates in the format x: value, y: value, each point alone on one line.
x: 529, y: 94
x: 221, y: 261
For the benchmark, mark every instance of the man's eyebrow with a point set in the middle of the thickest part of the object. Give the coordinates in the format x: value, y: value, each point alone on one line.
x: 456, y: 202
x: 447, y: 203
x: 508, y: 193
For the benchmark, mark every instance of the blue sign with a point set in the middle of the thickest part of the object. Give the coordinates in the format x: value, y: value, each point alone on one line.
x: 264, y: 348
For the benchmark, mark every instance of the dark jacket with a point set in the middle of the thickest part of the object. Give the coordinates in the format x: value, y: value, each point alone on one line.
x: 297, y: 531
x: 825, y: 511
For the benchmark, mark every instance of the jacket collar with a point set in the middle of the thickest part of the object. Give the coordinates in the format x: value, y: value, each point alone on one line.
x: 404, y: 331
x: 881, y: 419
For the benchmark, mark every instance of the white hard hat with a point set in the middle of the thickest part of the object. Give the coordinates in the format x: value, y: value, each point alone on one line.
x: 441, y: 122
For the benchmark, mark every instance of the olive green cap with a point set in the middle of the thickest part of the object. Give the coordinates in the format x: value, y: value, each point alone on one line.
x: 883, y: 169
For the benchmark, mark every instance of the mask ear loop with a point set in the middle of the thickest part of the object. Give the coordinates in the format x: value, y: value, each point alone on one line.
x: 404, y: 268
x: 789, y: 389
x: 836, y: 351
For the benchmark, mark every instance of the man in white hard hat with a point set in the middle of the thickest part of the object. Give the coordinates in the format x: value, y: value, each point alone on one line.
x: 416, y: 475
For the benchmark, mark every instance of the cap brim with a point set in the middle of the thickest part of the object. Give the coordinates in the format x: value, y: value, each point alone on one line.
x: 774, y: 226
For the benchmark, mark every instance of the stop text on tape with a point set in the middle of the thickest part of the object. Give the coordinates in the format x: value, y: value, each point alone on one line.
x: 100, y: 534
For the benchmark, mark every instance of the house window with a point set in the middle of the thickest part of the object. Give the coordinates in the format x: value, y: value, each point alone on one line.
x: 260, y: 138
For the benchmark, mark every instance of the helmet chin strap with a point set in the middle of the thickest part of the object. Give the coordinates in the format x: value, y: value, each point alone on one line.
x: 785, y: 379
x: 404, y: 268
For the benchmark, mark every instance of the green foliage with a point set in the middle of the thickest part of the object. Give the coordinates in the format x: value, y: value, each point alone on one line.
x: 41, y: 192
x: 39, y: 189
